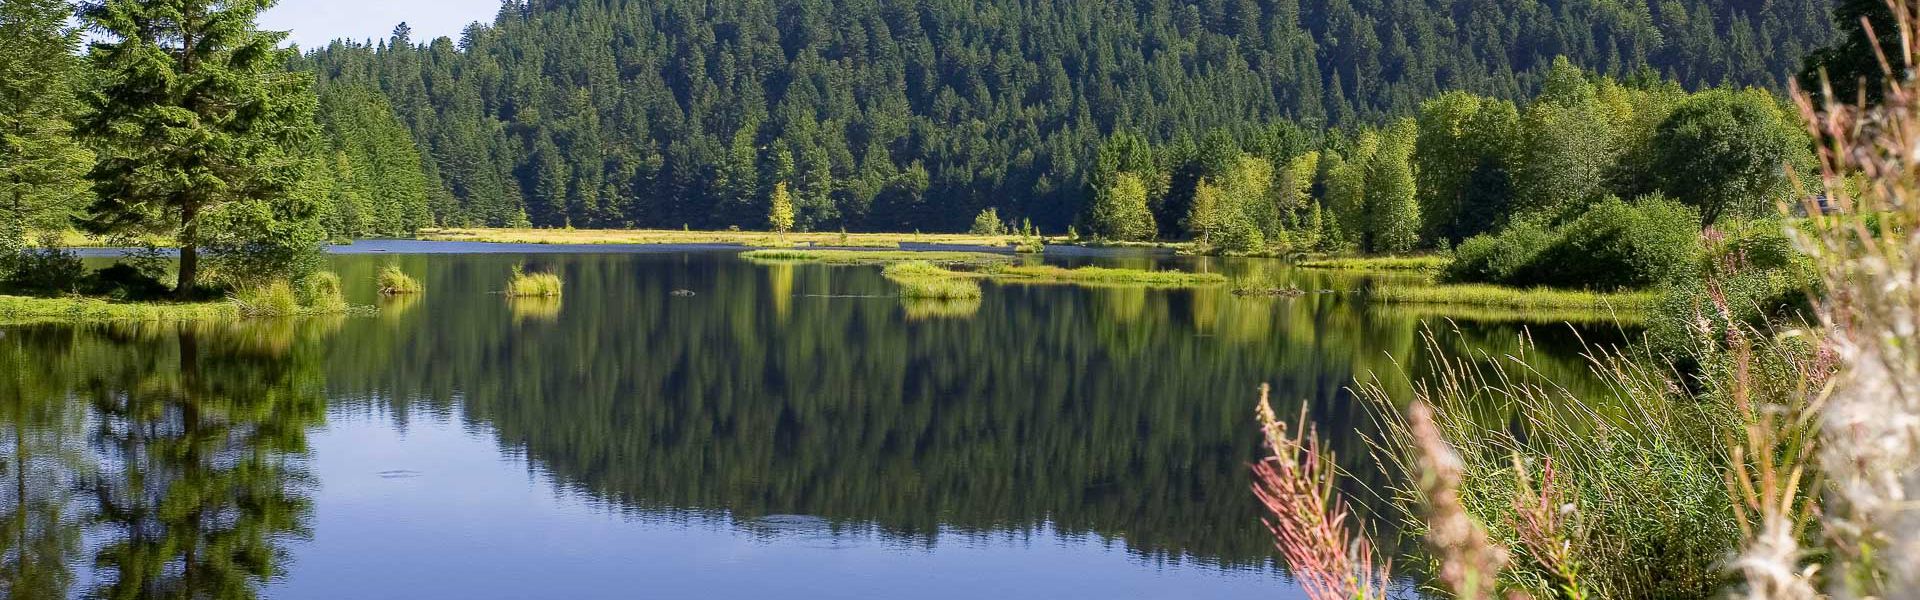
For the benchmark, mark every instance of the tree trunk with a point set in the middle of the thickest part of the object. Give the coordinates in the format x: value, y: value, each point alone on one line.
x: 189, y: 256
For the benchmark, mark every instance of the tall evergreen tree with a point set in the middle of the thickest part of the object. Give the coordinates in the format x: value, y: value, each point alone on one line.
x: 42, y: 168
x: 195, y: 113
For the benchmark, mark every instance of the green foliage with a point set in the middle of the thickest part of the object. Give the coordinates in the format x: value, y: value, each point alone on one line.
x: 48, y: 270
x: 900, y: 116
x: 1120, y: 211
x: 42, y: 168
x: 1613, y: 245
x: 780, y: 209
x: 1393, y: 212
x: 923, y: 280
x: 1724, y: 152
x: 183, y: 135
x: 371, y: 166
x: 1851, y: 65
x: 988, y: 223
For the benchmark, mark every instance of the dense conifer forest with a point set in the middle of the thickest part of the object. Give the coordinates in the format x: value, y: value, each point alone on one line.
x: 894, y: 115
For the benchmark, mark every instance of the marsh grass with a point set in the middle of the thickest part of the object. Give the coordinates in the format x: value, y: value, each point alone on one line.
x: 527, y: 285
x: 394, y: 282
x: 315, y: 294
x: 669, y: 236
x: 1104, y: 276
x: 923, y: 280
x: 1431, y: 262
x: 1638, y: 474
x: 21, y: 310
x: 875, y: 257
x: 1483, y: 295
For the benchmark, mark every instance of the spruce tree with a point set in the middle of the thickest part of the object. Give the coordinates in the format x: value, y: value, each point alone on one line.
x: 42, y: 169
x: 195, y: 112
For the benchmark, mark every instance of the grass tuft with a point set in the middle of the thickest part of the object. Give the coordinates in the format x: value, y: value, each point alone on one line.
x: 394, y: 282
x: 526, y: 285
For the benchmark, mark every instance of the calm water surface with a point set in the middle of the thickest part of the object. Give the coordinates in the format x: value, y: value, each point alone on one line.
x: 790, y: 431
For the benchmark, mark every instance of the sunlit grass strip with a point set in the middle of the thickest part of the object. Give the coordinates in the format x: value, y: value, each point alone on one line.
x: 671, y: 236
x: 533, y: 285
x: 1506, y: 297
x: 874, y: 257
x: 1105, y: 275
x: 925, y: 281
x: 316, y: 294
x: 1501, y: 314
x: 20, y: 310
x: 918, y: 309
x: 1379, y: 263
x: 395, y: 282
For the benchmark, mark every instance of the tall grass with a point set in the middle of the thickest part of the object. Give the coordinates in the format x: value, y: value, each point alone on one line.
x: 393, y: 282
x: 1474, y: 294
x: 923, y: 280
x: 315, y: 294
x: 1865, y: 457
x: 526, y: 285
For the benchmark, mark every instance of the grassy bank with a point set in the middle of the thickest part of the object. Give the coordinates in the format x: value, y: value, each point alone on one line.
x: 923, y: 280
x: 1481, y: 295
x: 1379, y: 263
x: 876, y: 257
x: 22, y: 310
x: 760, y: 239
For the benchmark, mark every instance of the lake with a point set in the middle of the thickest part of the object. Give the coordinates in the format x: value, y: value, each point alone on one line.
x: 791, y: 431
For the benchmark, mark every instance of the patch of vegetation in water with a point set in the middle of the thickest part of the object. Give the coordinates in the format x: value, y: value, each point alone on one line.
x: 919, y: 279
x: 1104, y: 276
x: 541, y: 285
x: 1430, y: 262
x: 876, y: 257
x: 395, y: 282
x: 1506, y: 297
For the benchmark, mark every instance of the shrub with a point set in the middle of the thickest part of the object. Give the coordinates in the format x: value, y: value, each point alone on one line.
x: 393, y: 281
x: 1612, y: 245
x: 526, y: 284
x: 46, y: 271
x: 988, y: 223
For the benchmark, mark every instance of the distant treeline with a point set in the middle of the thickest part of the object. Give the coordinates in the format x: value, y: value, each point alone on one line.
x: 891, y: 115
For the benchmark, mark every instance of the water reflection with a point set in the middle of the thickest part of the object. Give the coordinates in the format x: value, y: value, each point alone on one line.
x: 786, y: 400
x: 176, y: 453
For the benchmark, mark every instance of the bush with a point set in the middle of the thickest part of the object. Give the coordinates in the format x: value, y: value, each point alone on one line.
x: 988, y: 223
x: 1612, y: 245
x: 46, y: 271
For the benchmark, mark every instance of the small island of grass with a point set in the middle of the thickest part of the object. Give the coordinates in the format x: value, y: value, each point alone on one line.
x: 533, y: 285
x: 395, y: 282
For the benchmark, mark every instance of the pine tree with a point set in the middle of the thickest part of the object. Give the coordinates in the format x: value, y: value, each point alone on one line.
x: 195, y: 114
x: 42, y: 169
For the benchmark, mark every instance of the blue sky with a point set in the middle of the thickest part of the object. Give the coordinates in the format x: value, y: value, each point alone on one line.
x: 316, y: 22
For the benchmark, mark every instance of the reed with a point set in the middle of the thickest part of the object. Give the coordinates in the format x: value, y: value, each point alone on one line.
x: 1474, y: 294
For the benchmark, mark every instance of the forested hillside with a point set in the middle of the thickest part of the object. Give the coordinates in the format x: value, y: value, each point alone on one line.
x: 887, y: 114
